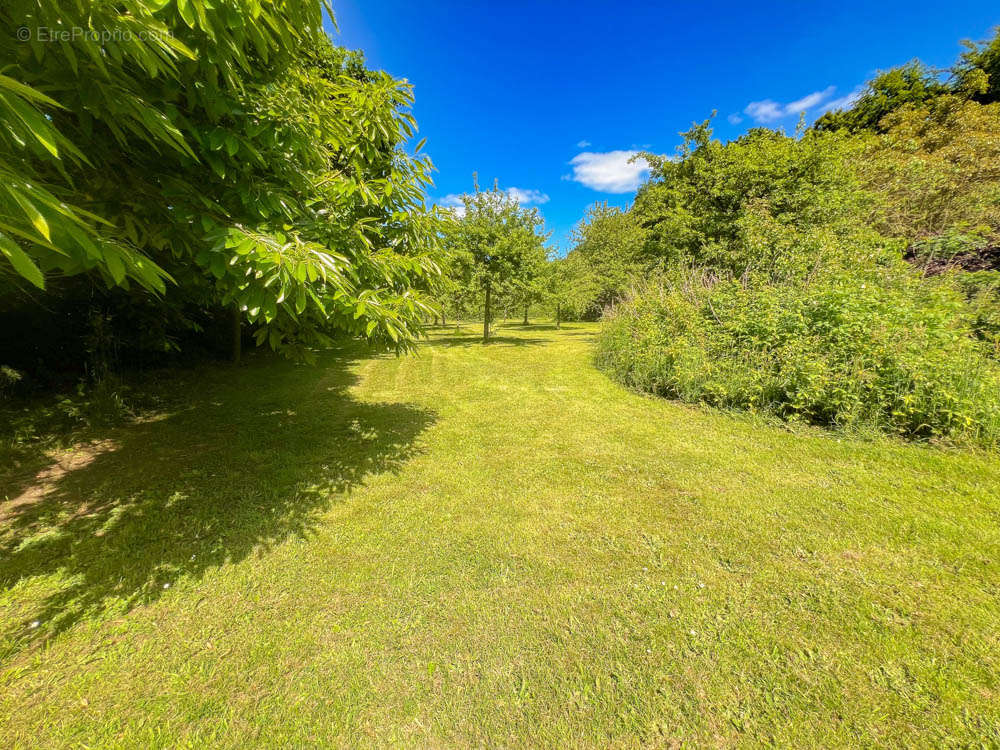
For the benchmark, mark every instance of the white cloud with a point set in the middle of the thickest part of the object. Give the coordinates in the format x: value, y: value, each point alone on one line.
x: 809, y: 101
x: 843, y: 102
x: 583, y: 144
x: 768, y: 110
x: 453, y: 201
x: 610, y: 172
x: 527, y: 197
x: 734, y: 119
x: 765, y: 111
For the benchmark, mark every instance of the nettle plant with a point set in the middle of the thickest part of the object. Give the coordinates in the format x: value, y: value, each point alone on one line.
x: 168, y: 144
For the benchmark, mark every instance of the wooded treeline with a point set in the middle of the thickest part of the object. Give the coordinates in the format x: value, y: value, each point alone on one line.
x: 188, y: 175
x: 845, y: 275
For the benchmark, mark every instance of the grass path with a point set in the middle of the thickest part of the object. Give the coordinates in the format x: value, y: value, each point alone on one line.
x: 493, y: 546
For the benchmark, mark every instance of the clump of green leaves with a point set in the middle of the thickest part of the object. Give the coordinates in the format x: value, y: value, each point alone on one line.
x: 982, y: 289
x: 765, y: 203
x: 913, y: 84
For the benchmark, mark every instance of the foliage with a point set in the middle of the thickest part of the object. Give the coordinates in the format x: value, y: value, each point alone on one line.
x: 937, y: 173
x: 977, y: 72
x: 912, y: 84
x: 765, y: 203
x: 529, y: 287
x: 891, y: 352
x: 497, y: 253
x: 982, y: 289
x: 608, y: 256
x: 570, y: 287
x: 785, y: 287
x: 974, y: 76
x: 9, y: 378
x: 226, y: 148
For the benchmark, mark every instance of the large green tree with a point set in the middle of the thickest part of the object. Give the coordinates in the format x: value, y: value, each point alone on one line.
x: 764, y: 203
x: 223, y: 151
x: 975, y: 75
x: 570, y: 287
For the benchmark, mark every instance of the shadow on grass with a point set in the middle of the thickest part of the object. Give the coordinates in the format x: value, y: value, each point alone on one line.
x: 534, y: 326
x: 252, y: 457
x: 494, y: 341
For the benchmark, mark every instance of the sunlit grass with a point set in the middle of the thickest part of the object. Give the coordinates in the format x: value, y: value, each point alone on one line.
x: 493, y: 545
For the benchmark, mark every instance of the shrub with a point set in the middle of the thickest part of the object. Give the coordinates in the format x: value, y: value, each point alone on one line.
x: 982, y: 289
x: 936, y: 171
x: 891, y: 350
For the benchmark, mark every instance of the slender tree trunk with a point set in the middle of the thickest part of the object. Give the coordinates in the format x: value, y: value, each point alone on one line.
x: 237, y: 331
x: 526, y: 314
x: 558, y: 314
x: 444, y: 321
x: 486, y: 314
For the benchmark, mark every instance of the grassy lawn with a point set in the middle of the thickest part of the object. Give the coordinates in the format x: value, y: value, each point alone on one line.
x: 492, y: 546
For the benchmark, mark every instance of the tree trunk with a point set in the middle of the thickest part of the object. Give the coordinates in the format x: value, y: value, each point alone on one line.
x: 526, y: 315
x: 486, y: 314
x: 237, y: 331
x: 558, y: 311
x: 444, y: 321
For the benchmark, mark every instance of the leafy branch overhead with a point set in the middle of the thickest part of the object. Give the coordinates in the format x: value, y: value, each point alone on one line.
x: 226, y: 148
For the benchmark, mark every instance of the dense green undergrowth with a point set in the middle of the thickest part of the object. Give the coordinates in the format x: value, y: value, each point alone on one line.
x: 891, y: 353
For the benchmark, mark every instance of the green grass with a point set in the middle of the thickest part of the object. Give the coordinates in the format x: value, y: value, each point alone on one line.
x: 492, y: 546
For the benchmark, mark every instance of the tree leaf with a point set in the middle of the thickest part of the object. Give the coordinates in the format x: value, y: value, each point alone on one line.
x: 22, y: 263
x: 34, y: 215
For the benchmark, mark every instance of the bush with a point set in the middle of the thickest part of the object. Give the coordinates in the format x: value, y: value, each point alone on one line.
x: 982, y: 289
x: 892, y: 350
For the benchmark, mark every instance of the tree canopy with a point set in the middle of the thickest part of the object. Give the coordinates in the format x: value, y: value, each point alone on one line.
x: 843, y: 275
x: 497, y: 250
x: 219, y: 154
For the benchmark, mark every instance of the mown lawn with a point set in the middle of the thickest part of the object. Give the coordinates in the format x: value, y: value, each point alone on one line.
x: 492, y: 546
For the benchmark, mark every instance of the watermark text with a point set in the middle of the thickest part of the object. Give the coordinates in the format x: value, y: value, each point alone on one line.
x: 81, y: 34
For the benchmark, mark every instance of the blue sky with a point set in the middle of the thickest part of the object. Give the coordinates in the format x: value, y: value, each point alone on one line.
x: 551, y: 97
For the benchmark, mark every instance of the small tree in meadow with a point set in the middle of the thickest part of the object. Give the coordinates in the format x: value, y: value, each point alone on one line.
x: 498, y: 249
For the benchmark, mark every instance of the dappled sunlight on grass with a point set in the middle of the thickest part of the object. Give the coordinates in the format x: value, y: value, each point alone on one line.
x: 250, y: 458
